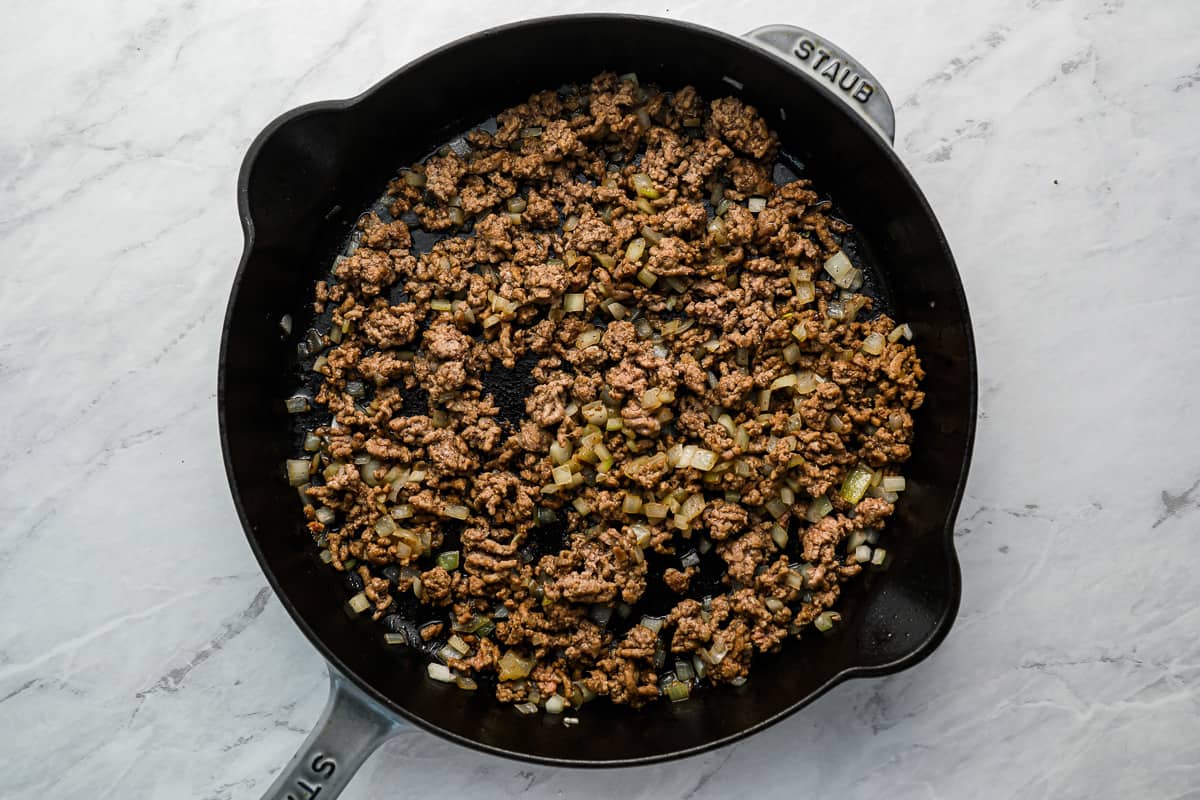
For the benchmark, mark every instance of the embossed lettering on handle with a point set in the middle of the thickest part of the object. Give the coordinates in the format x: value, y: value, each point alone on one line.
x: 307, y: 787
x: 833, y: 68
x: 349, y: 730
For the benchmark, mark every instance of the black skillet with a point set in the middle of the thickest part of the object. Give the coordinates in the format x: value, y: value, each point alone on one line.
x: 308, y: 176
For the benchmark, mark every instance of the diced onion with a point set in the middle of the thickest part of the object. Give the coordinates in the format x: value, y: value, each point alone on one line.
x: 654, y: 624
x: 719, y: 230
x: 784, y: 381
x: 559, y: 453
x: 395, y: 638
x: 840, y: 269
x: 776, y: 507
x: 595, y: 412
x: 555, y: 704
x: 655, y: 510
x: 448, y: 560
x: 636, y: 249
x: 862, y: 553
x: 726, y: 422
x: 632, y: 504
x: 297, y: 404
x: 526, y: 708
x: 588, y: 338
x: 806, y: 383
x: 826, y: 620
x: 756, y: 204
x: 513, y: 666
x: 854, y: 540
x: 692, y: 507
x: 641, y: 534
x: 516, y: 205
x: 652, y: 236
x: 805, y: 291
x: 873, y: 344
x: 678, y: 691
x: 900, y: 330
x: 779, y: 536
x: 704, y: 459
x: 893, y: 483
x: 573, y: 302
x: 298, y: 471
x: 439, y: 672
x: 818, y: 509
x: 457, y: 511
x: 359, y: 603
x: 562, y: 475
x: 646, y: 277
x: 879, y: 557
x: 644, y: 186
x: 582, y: 506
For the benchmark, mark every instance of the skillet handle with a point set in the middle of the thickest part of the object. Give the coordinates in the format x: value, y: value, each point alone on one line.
x: 834, y: 69
x: 350, y: 729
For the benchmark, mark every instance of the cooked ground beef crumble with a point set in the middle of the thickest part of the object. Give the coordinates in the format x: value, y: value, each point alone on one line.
x: 702, y: 390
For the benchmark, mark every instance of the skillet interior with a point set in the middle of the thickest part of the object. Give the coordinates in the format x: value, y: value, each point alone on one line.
x: 306, y: 179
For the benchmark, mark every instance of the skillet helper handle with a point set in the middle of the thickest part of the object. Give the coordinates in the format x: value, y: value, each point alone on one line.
x: 834, y: 69
x: 350, y: 729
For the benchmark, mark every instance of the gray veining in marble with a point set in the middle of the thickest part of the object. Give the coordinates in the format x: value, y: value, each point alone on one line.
x: 141, y: 653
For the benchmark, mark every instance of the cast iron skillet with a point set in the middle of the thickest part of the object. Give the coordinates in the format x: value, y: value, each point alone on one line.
x: 312, y: 171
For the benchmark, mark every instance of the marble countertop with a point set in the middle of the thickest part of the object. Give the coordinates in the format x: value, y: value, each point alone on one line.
x: 141, y: 652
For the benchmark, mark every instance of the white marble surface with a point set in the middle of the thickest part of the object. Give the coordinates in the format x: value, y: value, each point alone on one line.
x: 141, y: 654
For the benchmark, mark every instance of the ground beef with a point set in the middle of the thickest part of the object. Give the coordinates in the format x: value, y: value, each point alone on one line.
x: 700, y: 389
x: 390, y: 326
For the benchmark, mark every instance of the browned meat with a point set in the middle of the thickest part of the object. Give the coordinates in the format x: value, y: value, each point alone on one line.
x: 584, y: 257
